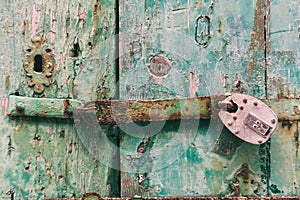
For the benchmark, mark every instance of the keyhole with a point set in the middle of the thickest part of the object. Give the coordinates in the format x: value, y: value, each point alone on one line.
x: 38, y: 63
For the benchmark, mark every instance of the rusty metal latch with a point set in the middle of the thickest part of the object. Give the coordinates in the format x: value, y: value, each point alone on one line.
x: 252, y: 120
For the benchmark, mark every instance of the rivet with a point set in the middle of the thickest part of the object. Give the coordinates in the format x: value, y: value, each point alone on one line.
x: 273, y: 121
x: 245, y: 100
x: 237, y: 132
x: 234, y: 117
x: 229, y: 123
x: 242, y: 108
x: 20, y: 107
x: 259, y: 141
x: 255, y: 103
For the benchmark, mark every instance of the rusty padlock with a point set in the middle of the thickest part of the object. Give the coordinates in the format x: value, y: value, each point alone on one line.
x: 248, y: 118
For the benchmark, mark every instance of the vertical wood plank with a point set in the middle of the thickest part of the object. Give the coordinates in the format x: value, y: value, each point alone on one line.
x: 42, y: 158
x: 283, y: 82
x: 190, y: 158
x: 283, y: 54
x: 285, y: 160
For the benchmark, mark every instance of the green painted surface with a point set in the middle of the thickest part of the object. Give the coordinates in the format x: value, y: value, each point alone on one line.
x: 252, y: 48
x: 50, y: 158
x: 188, y: 158
x: 283, y: 82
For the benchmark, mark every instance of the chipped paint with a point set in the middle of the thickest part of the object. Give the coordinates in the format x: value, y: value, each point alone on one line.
x: 45, y: 158
x: 35, y: 20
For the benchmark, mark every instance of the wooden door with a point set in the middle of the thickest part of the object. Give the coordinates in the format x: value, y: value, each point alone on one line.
x: 147, y: 49
x: 47, y: 158
x: 251, y: 48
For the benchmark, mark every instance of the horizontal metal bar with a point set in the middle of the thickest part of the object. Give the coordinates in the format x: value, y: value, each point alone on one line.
x: 128, y: 111
x: 285, y: 109
x: 41, y: 107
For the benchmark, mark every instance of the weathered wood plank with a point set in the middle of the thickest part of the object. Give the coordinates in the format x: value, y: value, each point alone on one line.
x: 160, y: 59
x: 48, y: 158
x: 283, y: 52
x: 283, y: 82
x: 285, y: 160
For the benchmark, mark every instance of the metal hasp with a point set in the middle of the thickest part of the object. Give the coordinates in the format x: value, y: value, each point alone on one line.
x: 111, y: 111
x: 248, y: 118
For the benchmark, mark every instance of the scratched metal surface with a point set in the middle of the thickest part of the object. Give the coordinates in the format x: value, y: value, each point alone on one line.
x: 160, y: 58
x: 47, y: 158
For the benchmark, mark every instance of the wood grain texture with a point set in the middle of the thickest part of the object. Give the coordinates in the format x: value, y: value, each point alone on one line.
x: 163, y: 159
x: 283, y: 53
x: 283, y: 82
x: 47, y: 158
x: 284, y: 179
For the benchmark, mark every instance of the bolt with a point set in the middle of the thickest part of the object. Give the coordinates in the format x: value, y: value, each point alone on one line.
x: 259, y: 141
x: 273, y: 121
x: 245, y: 100
x: 20, y: 107
x: 255, y: 103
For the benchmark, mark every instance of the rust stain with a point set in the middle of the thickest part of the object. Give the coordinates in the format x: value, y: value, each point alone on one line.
x: 199, y: 4
x: 67, y: 108
x: 25, y: 27
x: 7, y: 82
x: 296, y: 136
x: 257, y: 38
x: 296, y: 110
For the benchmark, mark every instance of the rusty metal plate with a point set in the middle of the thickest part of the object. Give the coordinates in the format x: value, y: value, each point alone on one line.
x: 248, y: 118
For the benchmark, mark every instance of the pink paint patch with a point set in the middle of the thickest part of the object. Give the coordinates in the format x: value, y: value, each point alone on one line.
x: 158, y: 80
x: 193, y: 84
x: 35, y: 20
x: 4, y: 103
x: 81, y: 15
x: 58, y: 67
x: 52, y: 31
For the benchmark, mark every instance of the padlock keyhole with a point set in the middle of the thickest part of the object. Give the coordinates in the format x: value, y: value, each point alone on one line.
x: 38, y: 63
x: 233, y: 108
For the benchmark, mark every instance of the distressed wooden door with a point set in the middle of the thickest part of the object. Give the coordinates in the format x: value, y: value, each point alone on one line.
x: 188, y: 48
x: 45, y: 157
x: 147, y: 49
